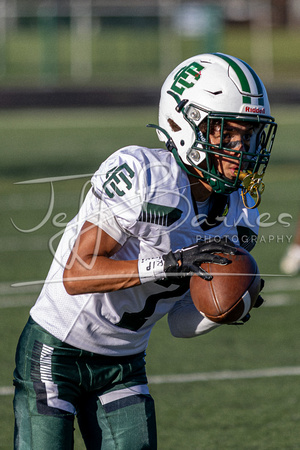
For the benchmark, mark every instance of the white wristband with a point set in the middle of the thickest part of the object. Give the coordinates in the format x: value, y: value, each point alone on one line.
x: 151, y: 269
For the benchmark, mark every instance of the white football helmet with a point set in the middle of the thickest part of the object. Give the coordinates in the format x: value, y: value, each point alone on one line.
x: 211, y: 87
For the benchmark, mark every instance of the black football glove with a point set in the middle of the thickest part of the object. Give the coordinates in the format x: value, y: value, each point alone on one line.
x: 187, y: 261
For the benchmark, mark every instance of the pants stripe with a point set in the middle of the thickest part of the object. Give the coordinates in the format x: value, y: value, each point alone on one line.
x: 110, y: 397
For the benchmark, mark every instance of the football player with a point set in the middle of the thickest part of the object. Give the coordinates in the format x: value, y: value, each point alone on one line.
x: 150, y: 219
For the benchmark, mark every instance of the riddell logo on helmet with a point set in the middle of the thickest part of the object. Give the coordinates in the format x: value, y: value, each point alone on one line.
x: 255, y: 109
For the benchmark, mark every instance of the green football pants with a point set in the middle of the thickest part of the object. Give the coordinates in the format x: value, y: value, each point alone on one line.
x: 55, y: 381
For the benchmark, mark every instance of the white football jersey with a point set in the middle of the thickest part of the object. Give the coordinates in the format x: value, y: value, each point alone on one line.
x: 142, y: 198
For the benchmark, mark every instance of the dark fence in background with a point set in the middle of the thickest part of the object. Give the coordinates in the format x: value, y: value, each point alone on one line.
x: 107, y: 97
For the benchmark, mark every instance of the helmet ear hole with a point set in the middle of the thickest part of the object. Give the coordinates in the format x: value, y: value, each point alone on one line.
x: 182, y: 142
x: 174, y: 126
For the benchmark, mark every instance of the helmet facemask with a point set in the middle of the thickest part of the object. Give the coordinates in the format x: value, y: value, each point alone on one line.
x: 251, y: 161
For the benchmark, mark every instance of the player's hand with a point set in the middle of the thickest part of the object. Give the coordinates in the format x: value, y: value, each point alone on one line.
x: 188, y: 260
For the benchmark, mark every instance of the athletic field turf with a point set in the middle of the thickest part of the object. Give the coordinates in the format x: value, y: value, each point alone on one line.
x: 236, y: 388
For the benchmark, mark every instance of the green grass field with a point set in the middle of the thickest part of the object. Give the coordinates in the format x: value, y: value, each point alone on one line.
x: 137, y: 54
x: 239, y: 403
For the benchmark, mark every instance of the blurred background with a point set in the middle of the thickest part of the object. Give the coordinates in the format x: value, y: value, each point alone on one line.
x: 80, y: 79
x: 95, y: 52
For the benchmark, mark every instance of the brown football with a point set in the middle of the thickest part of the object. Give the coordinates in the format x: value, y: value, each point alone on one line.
x: 232, y: 292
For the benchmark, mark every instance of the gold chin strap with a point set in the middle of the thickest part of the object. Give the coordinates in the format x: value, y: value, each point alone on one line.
x: 253, y: 184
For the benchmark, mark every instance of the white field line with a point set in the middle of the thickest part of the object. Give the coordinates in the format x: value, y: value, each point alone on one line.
x: 225, y: 375
x: 29, y: 300
x: 6, y: 390
x: 273, y: 285
x: 276, y: 293
x: 208, y: 376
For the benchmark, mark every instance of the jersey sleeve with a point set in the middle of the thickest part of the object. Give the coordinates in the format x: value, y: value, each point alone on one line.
x: 185, y: 321
x: 119, y: 189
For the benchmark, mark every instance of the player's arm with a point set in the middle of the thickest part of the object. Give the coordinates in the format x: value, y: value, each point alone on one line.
x: 90, y: 268
x: 185, y: 321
